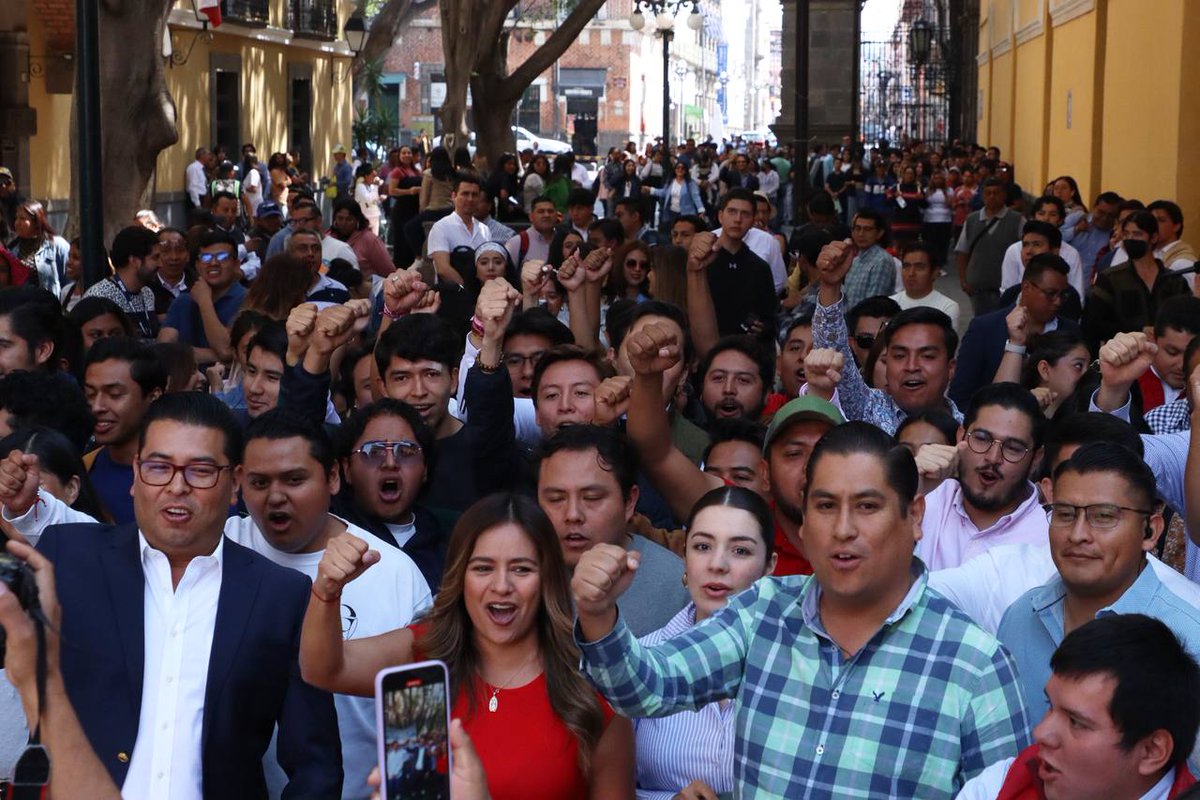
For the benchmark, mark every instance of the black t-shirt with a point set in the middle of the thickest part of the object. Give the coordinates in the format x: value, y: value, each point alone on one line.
x: 741, y: 284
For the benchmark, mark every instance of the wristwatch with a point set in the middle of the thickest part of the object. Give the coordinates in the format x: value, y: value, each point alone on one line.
x: 1009, y: 347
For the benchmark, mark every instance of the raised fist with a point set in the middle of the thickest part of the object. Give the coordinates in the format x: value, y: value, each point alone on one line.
x: 936, y: 462
x: 402, y: 291
x: 1125, y: 357
x: 345, y: 558
x: 701, y: 251
x: 1017, y: 322
x: 494, y: 308
x: 19, y: 481
x: 653, y: 349
x: 534, y: 274
x: 823, y: 371
x: 611, y: 399
x: 601, y: 576
x: 834, y: 262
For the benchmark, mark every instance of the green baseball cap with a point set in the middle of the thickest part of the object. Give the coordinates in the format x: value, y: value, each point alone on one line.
x: 805, y: 407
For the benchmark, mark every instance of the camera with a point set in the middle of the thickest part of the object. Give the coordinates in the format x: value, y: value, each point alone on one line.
x: 18, y: 577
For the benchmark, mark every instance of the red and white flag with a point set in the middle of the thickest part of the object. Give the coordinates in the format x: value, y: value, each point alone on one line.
x: 212, y: 10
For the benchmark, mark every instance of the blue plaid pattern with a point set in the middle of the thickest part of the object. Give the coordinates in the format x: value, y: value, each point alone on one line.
x: 1171, y: 417
x: 857, y: 400
x: 929, y: 702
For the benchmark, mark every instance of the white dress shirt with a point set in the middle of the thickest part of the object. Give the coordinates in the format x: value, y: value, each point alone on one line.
x: 180, y: 623
x: 197, y: 182
x: 1012, y: 270
x: 988, y: 584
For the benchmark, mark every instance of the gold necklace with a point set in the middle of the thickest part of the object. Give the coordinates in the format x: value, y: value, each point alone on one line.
x: 494, y: 701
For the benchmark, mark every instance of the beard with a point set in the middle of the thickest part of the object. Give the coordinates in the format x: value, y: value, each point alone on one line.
x: 788, y: 509
x: 996, y: 498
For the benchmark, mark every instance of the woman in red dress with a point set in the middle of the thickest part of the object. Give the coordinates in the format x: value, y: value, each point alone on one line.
x: 502, y: 623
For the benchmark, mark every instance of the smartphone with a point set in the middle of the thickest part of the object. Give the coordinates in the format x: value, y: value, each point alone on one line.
x: 412, y: 713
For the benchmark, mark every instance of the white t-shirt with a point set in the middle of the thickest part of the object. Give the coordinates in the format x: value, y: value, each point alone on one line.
x: 387, y: 596
x: 934, y: 299
x: 252, y: 186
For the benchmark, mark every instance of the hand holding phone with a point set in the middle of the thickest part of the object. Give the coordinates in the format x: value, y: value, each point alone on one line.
x: 412, y: 710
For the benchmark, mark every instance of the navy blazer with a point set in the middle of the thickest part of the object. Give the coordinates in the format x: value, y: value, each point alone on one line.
x: 980, y: 353
x: 253, y: 673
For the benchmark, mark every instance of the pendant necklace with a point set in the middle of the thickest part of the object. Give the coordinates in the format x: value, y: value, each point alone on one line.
x: 494, y: 701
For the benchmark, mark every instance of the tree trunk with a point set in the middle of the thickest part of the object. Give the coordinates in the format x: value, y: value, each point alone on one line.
x: 493, y: 122
x: 136, y: 110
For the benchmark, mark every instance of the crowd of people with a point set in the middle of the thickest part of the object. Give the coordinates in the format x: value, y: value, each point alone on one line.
x: 691, y: 503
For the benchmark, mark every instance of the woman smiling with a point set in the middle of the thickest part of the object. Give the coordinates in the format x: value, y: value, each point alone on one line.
x: 502, y: 624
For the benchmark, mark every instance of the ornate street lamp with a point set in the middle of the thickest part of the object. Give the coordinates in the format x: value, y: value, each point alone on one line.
x: 355, y: 34
x: 664, y: 13
x: 920, y: 42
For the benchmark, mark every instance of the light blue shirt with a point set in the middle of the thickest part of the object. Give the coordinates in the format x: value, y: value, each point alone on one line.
x: 1032, y: 628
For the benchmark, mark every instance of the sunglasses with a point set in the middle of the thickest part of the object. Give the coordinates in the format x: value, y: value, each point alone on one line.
x: 864, y: 340
x: 636, y: 264
x: 208, y: 258
x: 375, y: 453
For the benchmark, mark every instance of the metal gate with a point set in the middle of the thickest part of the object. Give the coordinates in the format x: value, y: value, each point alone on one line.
x: 919, y: 83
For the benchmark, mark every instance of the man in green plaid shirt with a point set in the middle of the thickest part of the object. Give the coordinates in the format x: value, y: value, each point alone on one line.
x: 856, y: 682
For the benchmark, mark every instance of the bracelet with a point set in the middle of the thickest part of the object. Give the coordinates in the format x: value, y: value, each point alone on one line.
x: 333, y: 599
x: 488, y: 370
x: 477, y: 326
x: 393, y: 315
x: 1009, y: 347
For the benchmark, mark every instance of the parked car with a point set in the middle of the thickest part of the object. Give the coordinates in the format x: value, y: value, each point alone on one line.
x: 525, y: 140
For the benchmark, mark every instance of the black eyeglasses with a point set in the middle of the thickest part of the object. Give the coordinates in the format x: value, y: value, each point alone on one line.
x: 634, y: 263
x: 376, y: 452
x: 1098, y: 515
x: 208, y: 258
x: 864, y: 340
x: 197, y: 476
x: 1013, y: 450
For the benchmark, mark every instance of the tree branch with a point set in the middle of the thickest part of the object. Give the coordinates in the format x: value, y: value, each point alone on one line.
x: 541, y: 60
x: 384, y: 28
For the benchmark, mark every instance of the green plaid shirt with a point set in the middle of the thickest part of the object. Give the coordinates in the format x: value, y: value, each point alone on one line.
x: 929, y: 702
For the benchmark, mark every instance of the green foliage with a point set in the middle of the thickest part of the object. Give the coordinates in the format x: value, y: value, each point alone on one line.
x: 376, y: 127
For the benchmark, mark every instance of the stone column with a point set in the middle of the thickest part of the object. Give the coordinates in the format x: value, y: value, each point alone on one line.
x: 18, y: 122
x: 832, y: 70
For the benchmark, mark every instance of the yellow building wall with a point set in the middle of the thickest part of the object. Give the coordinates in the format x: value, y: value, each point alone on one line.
x: 1074, y: 150
x: 1030, y: 108
x: 49, y: 149
x: 984, y: 99
x: 1187, y: 186
x: 1001, y: 115
x: 264, y: 108
x: 1142, y: 90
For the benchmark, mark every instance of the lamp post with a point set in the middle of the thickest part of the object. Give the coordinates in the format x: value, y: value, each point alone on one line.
x: 355, y: 34
x: 920, y: 45
x: 663, y: 12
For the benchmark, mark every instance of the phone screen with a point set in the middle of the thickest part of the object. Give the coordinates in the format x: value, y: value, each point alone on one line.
x: 413, y: 710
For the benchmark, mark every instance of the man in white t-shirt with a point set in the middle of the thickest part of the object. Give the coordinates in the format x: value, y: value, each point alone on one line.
x: 917, y: 274
x: 1016, y: 257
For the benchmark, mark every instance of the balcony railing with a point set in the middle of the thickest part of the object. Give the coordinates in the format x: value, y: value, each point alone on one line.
x: 256, y: 13
x: 313, y: 19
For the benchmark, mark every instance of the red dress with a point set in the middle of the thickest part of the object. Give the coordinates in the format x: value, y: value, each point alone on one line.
x: 526, y: 750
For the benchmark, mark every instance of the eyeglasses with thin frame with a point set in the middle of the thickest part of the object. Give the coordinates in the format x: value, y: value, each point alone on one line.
x: 1102, y: 516
x: 376, y: 452
x: 516, y: 360
x: 981, y: 441
x: 198, y: 475
x: 1050, y: 294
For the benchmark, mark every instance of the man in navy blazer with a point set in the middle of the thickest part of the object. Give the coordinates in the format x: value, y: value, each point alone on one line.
x: 179, y: 646
x: 987, y: 337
